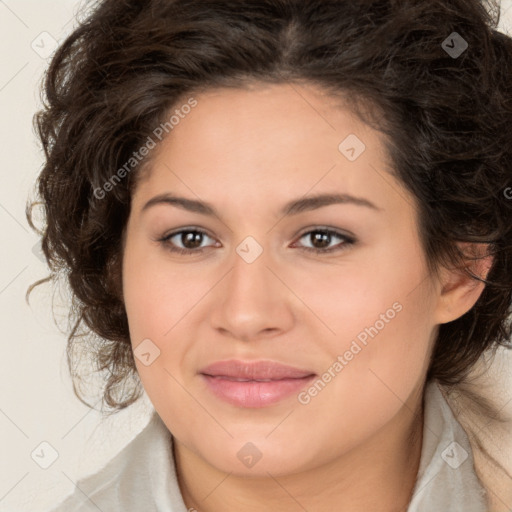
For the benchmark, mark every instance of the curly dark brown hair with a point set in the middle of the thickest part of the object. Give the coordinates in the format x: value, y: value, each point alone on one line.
x: 445, y: 117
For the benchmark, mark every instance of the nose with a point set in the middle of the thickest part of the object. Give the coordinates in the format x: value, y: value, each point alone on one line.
x: 252, y: 301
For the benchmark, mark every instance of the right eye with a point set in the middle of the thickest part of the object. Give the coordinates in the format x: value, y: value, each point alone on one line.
x: 190, y: 237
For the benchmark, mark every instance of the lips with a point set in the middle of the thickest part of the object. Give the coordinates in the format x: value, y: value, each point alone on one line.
x: 256, y: 384
x: 256, y: 371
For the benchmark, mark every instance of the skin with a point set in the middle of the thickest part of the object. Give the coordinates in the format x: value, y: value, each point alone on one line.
x: 357, y: 444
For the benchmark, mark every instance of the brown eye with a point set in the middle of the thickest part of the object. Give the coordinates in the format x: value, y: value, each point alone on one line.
x: 190, y: 239
x: 321, y: 239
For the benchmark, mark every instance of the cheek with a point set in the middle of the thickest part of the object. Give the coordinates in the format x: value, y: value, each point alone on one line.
x: 375, y: 362
x: 156, y: 298
x: 160, y: 298
x: 379, y: 313
x: 156, y: 294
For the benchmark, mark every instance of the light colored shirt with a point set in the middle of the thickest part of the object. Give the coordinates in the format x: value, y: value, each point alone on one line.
x: 142, y: 476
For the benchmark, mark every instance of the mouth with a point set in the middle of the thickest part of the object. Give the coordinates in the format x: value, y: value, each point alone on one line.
x: 254, y: 384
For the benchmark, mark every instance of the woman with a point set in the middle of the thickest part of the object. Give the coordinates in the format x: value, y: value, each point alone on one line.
x: 289, y: 222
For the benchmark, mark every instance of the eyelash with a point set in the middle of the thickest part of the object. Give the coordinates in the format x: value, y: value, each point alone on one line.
x: 348, y: 241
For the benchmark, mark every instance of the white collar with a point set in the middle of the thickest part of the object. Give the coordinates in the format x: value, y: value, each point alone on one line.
x: 446, y: 477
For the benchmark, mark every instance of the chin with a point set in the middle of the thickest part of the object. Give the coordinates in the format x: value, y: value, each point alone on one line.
x: 257, y: 456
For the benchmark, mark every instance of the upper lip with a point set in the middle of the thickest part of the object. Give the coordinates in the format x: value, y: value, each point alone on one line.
x: 255, y: 370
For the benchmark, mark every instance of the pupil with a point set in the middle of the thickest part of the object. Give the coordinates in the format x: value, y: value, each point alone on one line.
x: 191, y: 239
x: 323, y: 238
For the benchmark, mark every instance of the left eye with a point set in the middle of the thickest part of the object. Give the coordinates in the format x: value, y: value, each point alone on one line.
x: 191, y: 240
x: 324, y: 237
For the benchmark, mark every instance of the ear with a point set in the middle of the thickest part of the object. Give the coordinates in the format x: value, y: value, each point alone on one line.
x: 457, y: 292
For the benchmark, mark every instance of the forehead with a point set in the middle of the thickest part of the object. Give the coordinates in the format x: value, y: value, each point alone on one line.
x: 269, y: 143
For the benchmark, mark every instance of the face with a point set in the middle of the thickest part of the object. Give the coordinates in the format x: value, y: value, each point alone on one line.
x: 354, y: 318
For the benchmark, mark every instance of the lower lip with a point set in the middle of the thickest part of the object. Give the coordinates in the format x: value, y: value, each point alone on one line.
x: 252, y: 393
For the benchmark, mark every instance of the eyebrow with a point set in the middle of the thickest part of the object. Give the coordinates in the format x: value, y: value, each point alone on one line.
x: 293, y: 207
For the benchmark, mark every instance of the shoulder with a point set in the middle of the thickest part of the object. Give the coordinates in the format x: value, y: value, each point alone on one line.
x: 480, y: 406
x: 124, y: 483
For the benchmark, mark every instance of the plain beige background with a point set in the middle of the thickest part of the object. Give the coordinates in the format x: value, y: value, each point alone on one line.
x: 37, y: 403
